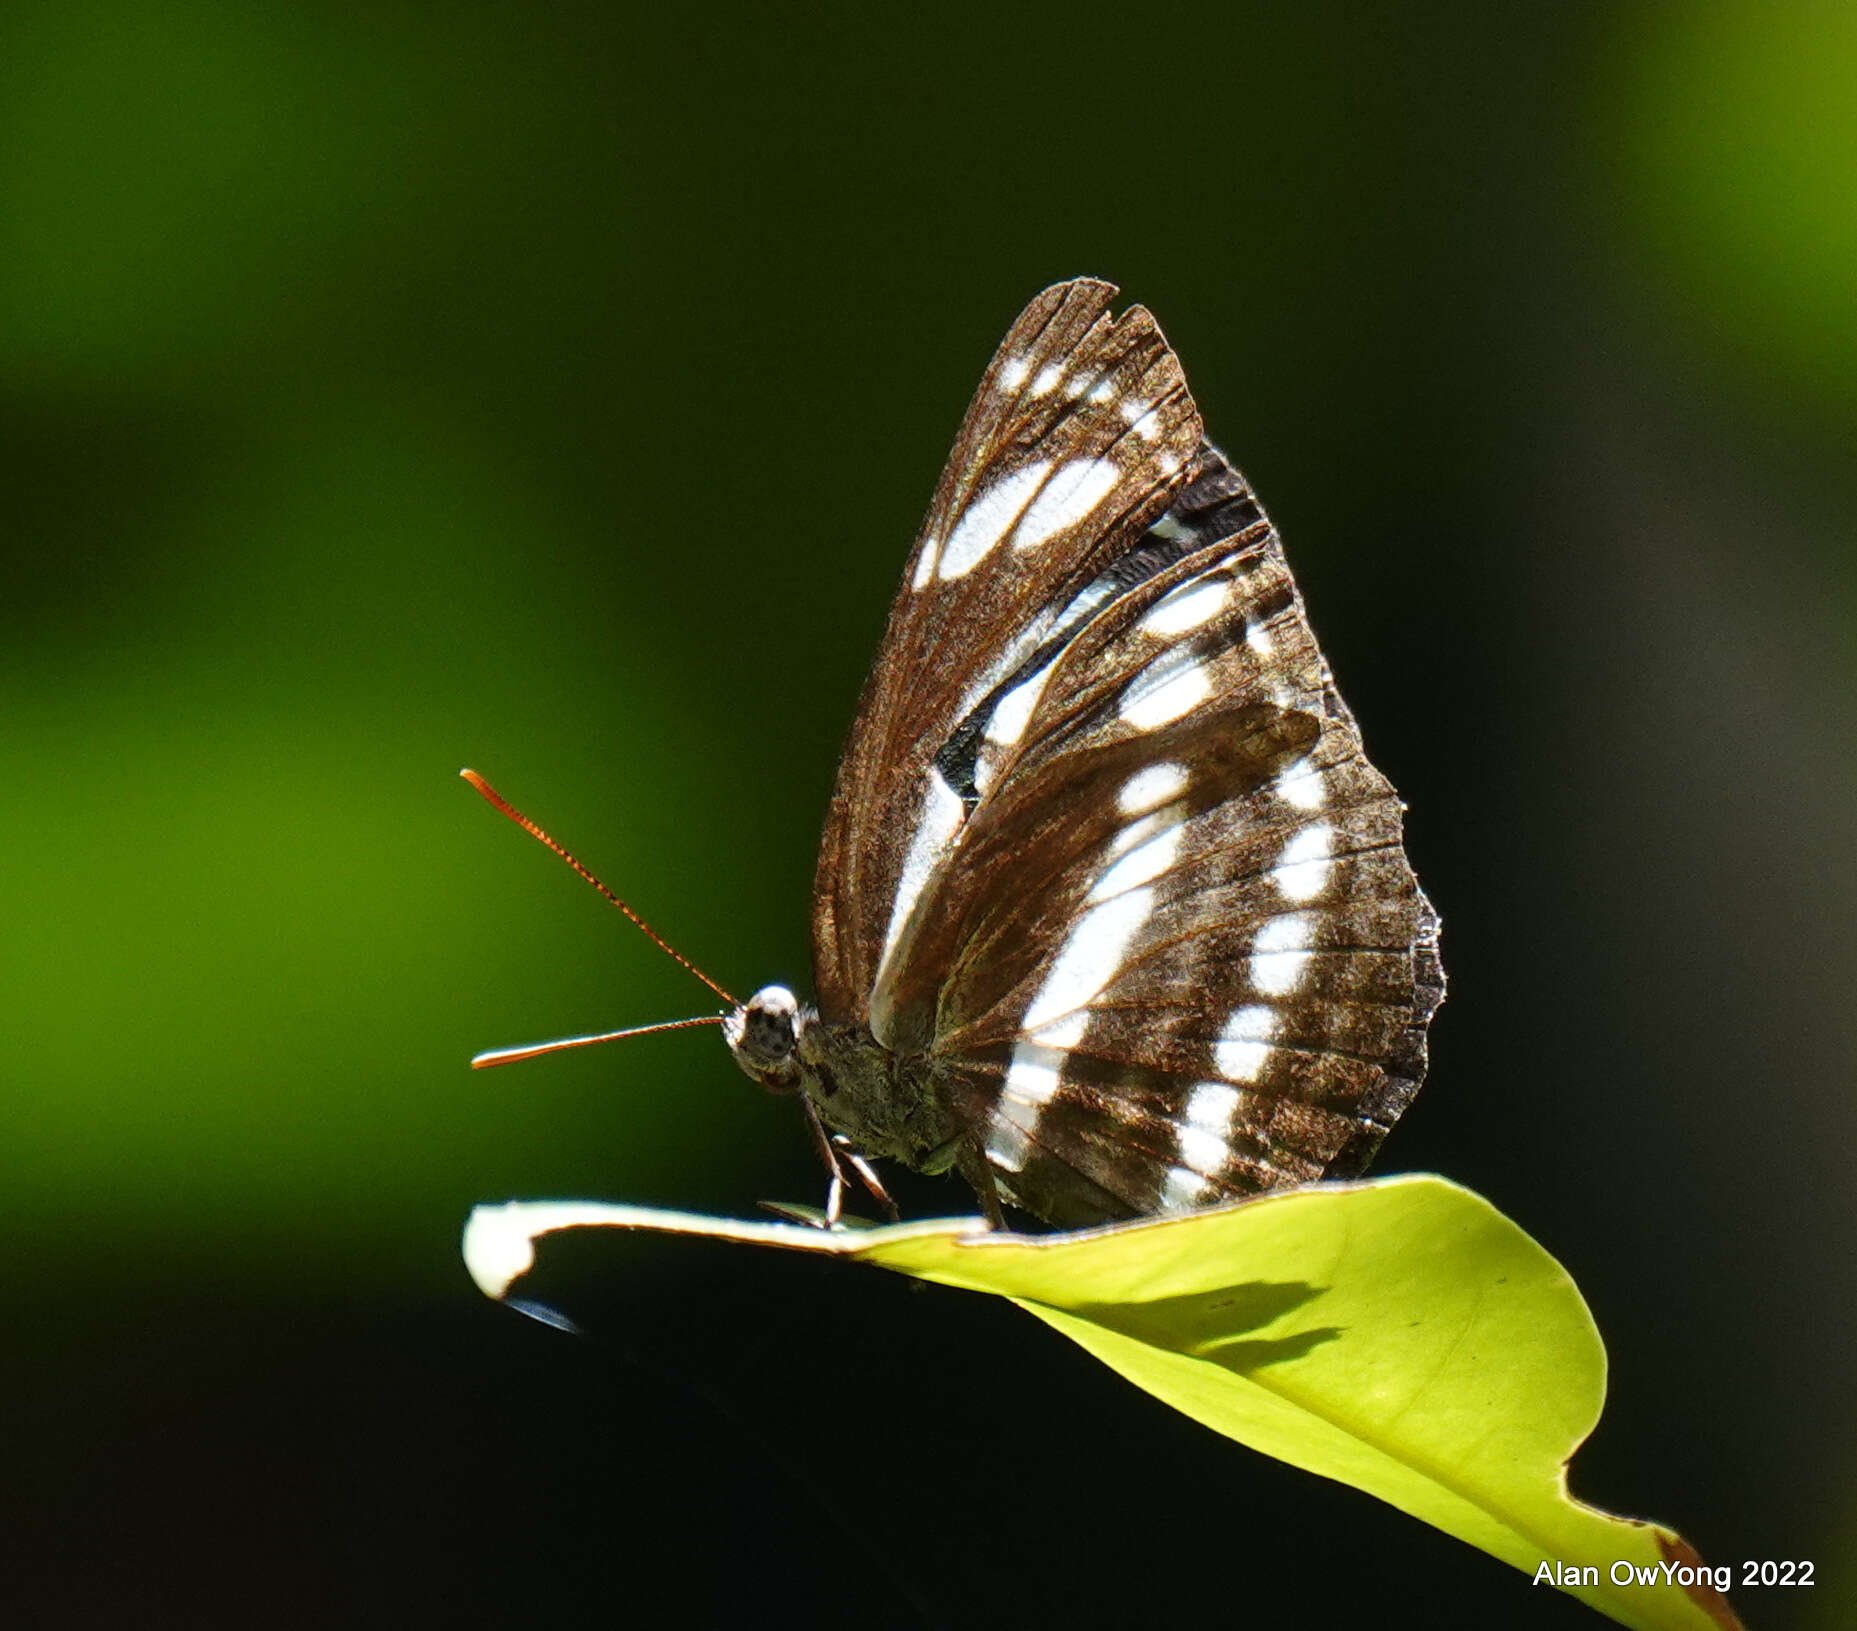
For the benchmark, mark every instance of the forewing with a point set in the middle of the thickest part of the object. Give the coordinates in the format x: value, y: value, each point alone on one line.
x: 1079, y: 434
x: 1177, y: 953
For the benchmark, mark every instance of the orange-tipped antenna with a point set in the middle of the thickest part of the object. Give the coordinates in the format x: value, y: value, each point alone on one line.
x: 534, y: 1050
x: 657, y: 939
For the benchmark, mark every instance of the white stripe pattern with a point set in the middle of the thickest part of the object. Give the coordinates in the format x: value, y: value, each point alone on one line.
x: 1144, y: 850
x: 1244, y: 1045
x: 1183, y: 1190
x: 1205, y: 1134
x: 1151, y: 787
x: 989, y: 518
x: 1007, y: 1145
x: 1166, y: 690
x: 1013, y: 712
x: 1186, y: 608
x: 1074, y: 490
x: 1302, y: 785
x: 1302, y: 870
x: 1143, y: 418
x: 1092, y: 954
x: 940, y: 818
x: 1033, y: 1075
x: 1280, y: 953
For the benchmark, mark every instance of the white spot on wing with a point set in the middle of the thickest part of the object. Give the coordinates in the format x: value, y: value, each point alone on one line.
x: 925, y: 564
x: 1205, y: 1134
x: 989, y: 518
x: 1144, y: 862
x: 1065, y: 620
x: 1064, y: 1033
x: 1092, y: 955
x: 1150, y: 788
x: 1200, y: 1150
x: 1007, y: 1145
x: 1012, y: 376
x: 937, y: 822
x: 1183, y: 1190
x: 1070, y: 495
x: 1033, y: 1074
x: 1187, y: 608
x: 1139, y: 832
x: 1257, y: 637
x: 1280, y: 953
x: 1210, y: 1107
x: 1046, y: 383
x: 1014, y: 710
x: 1302, y: 870
x: 1164, y: 692
x: 1241, y: 1050
x: 1143, y: 419
x: 1302, y: 785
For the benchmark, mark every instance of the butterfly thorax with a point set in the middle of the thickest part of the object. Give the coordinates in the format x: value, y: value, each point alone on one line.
x: 891, y: 1105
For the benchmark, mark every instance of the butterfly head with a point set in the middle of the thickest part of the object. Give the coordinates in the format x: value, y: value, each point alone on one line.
x: 763, y: 1034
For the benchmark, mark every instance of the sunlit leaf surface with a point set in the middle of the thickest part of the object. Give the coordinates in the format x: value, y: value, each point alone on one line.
x: 1401, y: 1336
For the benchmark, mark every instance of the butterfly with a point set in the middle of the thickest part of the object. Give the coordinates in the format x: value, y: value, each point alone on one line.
x: 1112, y: 914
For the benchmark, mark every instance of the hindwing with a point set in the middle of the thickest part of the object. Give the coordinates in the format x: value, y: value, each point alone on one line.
x: 1176, y: 952
x: 1105, y: 851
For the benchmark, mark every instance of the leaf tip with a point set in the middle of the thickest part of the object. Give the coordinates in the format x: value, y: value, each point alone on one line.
x: 498, y: 1248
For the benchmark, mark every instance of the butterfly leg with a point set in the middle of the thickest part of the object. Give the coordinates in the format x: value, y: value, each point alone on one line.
x: 822, y: 1142
x: 867, y: 1176
x: 972, y: 1164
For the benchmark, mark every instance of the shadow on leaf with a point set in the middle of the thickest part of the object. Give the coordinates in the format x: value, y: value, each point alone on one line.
x: 1216, y: 1324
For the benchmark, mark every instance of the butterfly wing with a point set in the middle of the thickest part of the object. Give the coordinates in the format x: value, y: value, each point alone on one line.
x: 1074, y: 443
x: 1176, y: 953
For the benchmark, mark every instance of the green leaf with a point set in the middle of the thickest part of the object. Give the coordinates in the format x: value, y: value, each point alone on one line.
x: 1401, y: 1336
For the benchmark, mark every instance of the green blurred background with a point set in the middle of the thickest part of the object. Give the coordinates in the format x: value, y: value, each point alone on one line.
x: 556, y: 390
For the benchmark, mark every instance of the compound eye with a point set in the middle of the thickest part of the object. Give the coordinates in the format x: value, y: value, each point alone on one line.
x: 767, y: 1036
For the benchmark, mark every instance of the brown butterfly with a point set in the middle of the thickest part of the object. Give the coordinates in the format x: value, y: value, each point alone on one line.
x: 1112, y: 914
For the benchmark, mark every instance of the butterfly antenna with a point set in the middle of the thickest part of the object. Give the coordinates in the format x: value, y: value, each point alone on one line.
x: 534, y: 1050
x: 652, y: 934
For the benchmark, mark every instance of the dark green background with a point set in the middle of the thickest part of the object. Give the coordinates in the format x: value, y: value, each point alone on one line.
x: 556, y: 390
